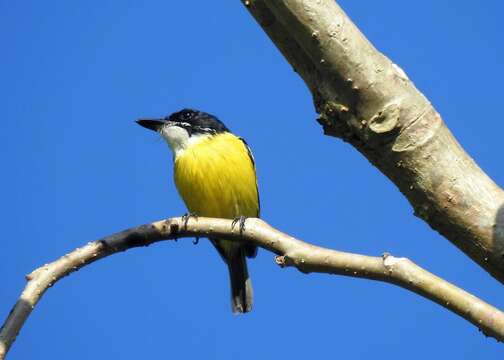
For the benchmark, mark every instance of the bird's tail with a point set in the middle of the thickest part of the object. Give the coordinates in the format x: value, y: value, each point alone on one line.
x: 241, y: 285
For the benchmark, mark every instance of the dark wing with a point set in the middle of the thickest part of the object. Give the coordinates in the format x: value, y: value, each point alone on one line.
x: 255, y: 172
x: 251, y: 250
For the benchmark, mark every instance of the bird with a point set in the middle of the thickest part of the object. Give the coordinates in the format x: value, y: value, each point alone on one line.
x: 215, y: 175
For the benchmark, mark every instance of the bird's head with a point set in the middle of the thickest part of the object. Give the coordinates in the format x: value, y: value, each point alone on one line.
x: 184, y: 127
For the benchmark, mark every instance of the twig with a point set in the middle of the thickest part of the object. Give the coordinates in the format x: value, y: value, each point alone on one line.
x: 291, y: 252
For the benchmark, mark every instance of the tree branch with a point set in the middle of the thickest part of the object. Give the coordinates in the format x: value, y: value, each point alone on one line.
x: 291, y: 252
x: 366, y: 100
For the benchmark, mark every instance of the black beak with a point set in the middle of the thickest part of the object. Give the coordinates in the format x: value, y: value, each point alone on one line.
x: 151, y: 124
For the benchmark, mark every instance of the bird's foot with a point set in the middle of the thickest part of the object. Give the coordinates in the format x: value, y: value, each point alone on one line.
x: 196, y: 240
x: 186, y: 217
x: 241, y: 221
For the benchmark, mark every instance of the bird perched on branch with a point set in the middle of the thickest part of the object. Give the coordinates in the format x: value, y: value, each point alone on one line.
x: 215, y: 175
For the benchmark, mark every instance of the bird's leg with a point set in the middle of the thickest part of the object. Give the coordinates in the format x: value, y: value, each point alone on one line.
x: 186, y: 217
x: 239, y: 220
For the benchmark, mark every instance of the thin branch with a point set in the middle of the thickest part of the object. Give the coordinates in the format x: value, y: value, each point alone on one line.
x: 368, y: 101
x: 291, y: 252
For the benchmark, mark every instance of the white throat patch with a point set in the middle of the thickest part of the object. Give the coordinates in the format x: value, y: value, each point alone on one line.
x: 178, y: 138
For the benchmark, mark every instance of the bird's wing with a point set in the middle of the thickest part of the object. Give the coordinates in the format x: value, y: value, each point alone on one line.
x: 251, y: 250
x: 255, y: 172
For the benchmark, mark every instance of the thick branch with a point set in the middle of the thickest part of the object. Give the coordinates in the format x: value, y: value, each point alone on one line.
x: 368, y: 101
x: 291, y: 252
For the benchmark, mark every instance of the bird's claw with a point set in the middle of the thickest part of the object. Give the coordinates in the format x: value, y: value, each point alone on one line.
x: 241, y: 221
x: 186, y: 217
x: 195, y: 241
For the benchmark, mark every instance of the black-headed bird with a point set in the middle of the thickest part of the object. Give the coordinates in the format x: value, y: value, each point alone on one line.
x: 215, y: 175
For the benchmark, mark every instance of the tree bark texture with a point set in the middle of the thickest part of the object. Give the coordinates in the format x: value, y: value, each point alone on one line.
x: 369, y: 102
x: 291, y: 252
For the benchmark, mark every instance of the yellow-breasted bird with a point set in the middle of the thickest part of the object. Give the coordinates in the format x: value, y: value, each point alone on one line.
x: 215, y: 175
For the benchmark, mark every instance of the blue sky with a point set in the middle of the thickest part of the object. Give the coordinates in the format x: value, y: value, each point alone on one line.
x: 75, y: 75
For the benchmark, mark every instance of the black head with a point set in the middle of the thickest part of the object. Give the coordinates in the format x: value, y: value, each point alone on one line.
x: 199, y: 121
x: 194, y: 121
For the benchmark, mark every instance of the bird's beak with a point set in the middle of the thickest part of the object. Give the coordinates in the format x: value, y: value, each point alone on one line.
x: 151, y: 124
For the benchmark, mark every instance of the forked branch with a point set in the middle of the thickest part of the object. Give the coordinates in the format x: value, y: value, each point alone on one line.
x: 291, y: 252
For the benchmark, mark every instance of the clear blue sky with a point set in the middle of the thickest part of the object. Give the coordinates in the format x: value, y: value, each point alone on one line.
x: 74, y: 77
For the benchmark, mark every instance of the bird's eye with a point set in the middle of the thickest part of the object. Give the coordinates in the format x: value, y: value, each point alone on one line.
x: 187, y: 115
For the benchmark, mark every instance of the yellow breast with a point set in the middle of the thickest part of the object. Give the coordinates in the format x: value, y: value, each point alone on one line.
x: 216, y: 177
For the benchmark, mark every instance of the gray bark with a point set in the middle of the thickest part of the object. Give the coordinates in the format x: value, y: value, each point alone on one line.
x: 368, y: 101
x: 291, y: 252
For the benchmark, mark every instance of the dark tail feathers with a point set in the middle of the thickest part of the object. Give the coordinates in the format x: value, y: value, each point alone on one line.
x: 241, y: 285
